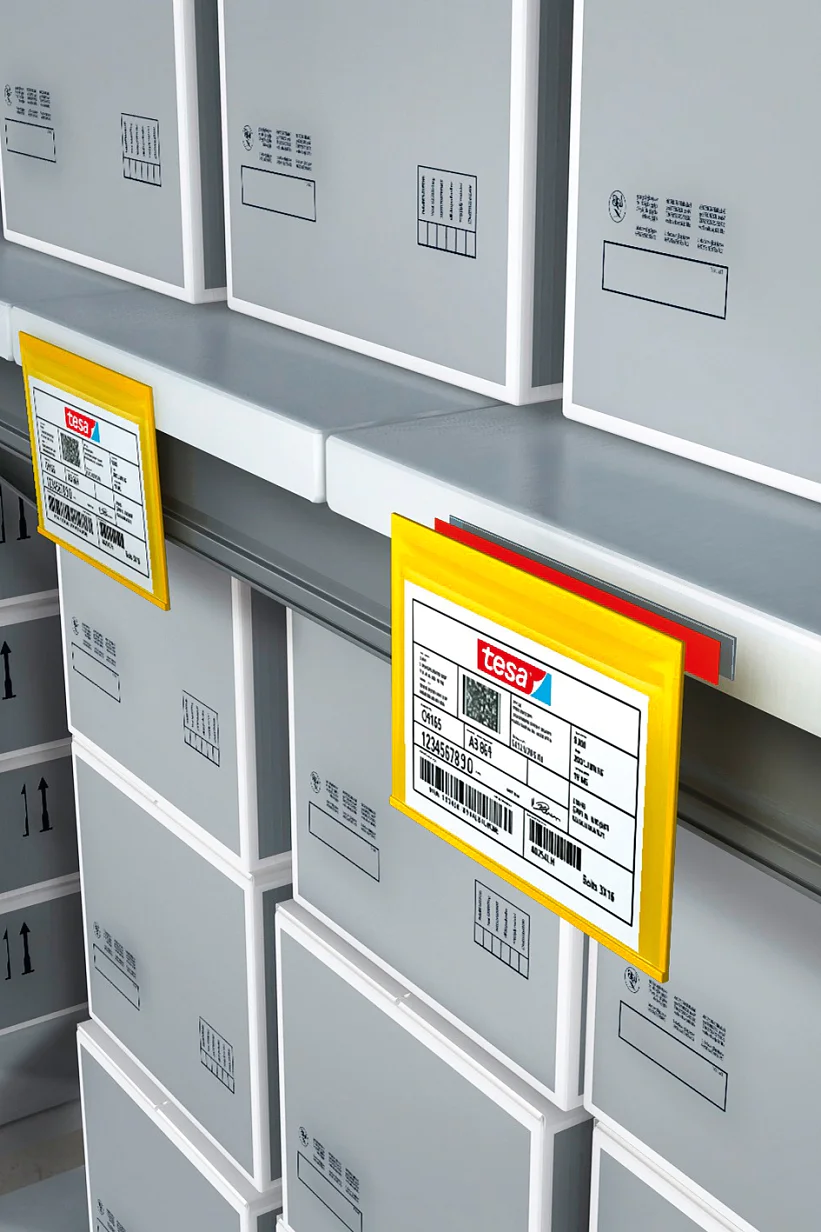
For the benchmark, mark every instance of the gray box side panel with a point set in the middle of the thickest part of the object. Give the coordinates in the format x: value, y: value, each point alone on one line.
x: 38, y: 837
x: 28, y: 561
x: 409, y: 898
x: 271, y: 712
x: 188, y: 960
x: 572, y: 1163
x: 555, y: 58
x: 135, y: 1172
x: 269, y: 906
x: 396, y: 1116
x: 32, y: 691
x: 38, y: 1067
x: 626, y: 1204
x: 132, y: 701
x: 306, y: 229
x: 208, y: 100
x: 90, y: 197
x: 702, y: 1068
x: 42, y: 970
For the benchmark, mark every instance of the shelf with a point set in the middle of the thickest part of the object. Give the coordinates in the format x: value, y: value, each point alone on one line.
x: 732, y: 554
x: 262, y: 398
x: 298, y: 552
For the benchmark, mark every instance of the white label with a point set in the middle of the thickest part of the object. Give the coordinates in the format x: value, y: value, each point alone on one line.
x: 530, y: 758
x: 91, y: 478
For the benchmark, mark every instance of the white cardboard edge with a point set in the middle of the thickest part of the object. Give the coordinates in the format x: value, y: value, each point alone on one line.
x: 180, y: 1131
x: 42, y: 892
x: 244, y: 706
x: 565, y: 1096
x: 277, y: 871
x: 400, y: 359
x: 262, y: 442
x: 796, y: 485
x: 172, y: 818
x: 682, y: 1197
x: 779, y: 665
x: 188, y: 132
x: 500, y: 1085
x: 258, y: 1050
x: 114, y: 271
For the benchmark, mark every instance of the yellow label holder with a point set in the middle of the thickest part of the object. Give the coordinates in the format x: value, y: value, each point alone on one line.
x: 121, y: 396
x: 614, y: 645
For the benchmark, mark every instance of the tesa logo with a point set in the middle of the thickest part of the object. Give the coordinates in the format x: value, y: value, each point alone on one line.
x: 78, y: 422
x: 505, y: 666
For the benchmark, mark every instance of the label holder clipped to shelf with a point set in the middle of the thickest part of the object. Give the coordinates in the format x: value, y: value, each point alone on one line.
x: 538, y: 732
x: 96, y: 473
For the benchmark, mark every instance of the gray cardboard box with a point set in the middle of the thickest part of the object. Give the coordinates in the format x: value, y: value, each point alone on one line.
x: 42, y: 996
x: 693, y: 316
x: 180, y: 953
x: 148, y: 1165
x: 110, y: 151
x: 386, y: 1108
x: 715, y: 1074
x: 191, y: 704
x: 630, y: 1195
x: 499, y: 966
x: 38, y: 835
x: 413, y: 209
x: 28, y: 561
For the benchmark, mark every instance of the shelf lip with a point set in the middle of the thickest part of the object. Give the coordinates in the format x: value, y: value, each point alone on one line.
x: 262, y: 442
x: 778, y: 666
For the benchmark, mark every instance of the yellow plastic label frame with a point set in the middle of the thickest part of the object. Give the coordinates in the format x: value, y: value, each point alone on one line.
x: 620, y: 648
x: 120, y: 395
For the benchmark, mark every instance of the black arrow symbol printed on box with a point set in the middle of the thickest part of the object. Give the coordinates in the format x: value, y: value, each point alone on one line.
x: 24, y: 933
x: 22, y: 524
x: 42, y: 787
x: 24, y: 793
x: 8, y: 955
x: 8, y: 688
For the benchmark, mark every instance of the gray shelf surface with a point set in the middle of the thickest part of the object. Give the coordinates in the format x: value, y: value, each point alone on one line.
x: 260, y: 397
x: 741, y: 557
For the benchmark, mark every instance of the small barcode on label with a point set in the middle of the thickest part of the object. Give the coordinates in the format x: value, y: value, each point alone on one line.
x: 110, y: 534
x: 70, y: 449
x: 78, y: 521
x: 555, y: 844
x: 462, y: 793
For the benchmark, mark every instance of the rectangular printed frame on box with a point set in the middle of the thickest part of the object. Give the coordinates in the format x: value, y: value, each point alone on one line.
x: 99, y: 397
x: 538, y: 733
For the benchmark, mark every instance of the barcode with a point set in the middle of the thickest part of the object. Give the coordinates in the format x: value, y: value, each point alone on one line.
x: 480, y: 703
x: 110, y: 534
x: 70, y: 449
x: 78, y: 521
x: 555, y: 844
x: 462, y: 793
